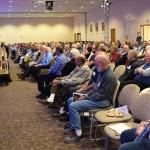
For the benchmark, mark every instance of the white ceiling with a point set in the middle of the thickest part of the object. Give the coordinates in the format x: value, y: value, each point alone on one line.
x: 37, y: 8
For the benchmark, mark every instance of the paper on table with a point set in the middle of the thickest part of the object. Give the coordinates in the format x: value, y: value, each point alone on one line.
x: 123, y: 109
x: 119, y: 127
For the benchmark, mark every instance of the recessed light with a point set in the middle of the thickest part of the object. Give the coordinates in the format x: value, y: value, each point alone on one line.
x: 35, y: 6
x: 31, y: 10
x: 92, y: 2
x: 40, y: 2
x: 73, y: 10
x: 10, y: 1
x: 10, y: 6
x: 82, y: 7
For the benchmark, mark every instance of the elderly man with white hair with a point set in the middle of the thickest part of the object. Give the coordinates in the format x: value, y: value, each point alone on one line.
x: 35, y: 69
x: 99, y: 96
x: 142, y: 74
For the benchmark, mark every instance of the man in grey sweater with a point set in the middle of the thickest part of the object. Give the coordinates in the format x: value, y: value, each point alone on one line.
x: 100, y: 96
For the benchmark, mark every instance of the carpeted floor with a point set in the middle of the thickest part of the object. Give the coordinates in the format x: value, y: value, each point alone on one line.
x: 26, y: 124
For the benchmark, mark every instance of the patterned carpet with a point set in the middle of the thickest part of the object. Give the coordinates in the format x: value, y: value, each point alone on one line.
x: 26, y: 124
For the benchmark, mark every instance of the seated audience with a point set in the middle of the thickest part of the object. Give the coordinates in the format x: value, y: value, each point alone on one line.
x: 141, y: 53
x: 132, y: 63
x: 99, y: 96
x: 142, y: 74
x: 35, y: 69
x: 95, y: 51
x: 114, y: 54
x: 123, y: 56
x: 55, y: 71
x: 66, y: 85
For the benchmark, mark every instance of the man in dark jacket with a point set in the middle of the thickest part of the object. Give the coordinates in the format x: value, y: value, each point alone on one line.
x: 99, y: 96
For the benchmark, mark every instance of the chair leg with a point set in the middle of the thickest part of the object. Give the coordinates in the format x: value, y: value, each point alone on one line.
x: 106, y: 142
x: 91, y: 126
x: 95, y: 133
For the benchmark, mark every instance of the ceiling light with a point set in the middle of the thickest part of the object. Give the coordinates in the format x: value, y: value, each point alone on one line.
x: 40, y: 2
x: 35, y: 6
x: 92, y: 2
x: 82, y: 7
x: 106, y: 3
x: 73, y: 10
x: 10, y: 1
x: 10, y: 6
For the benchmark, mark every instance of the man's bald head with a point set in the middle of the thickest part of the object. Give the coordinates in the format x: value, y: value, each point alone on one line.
x: 80, y: 60
x: 102, y: 62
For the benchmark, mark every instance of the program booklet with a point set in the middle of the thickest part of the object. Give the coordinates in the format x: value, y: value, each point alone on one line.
x: 77, y: 95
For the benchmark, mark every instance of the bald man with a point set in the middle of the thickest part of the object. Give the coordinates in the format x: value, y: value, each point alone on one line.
x: 99, y: 96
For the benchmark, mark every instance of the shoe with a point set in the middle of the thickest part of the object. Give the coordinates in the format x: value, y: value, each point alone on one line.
x: 66, y: 126
x: 73, y: 139
x: 56, y: 115
x: 42, y: 101
x: 50, y: 105
x: 41, y: 96
x: 69, y: 130
x: 20, y: 76
x: 64, y: 117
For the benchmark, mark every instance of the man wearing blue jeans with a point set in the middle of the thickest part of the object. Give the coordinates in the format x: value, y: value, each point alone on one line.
x: 99, y: 96
x: 136, y: 138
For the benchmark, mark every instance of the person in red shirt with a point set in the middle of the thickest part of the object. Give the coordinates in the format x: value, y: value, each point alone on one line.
x: 114, y: 54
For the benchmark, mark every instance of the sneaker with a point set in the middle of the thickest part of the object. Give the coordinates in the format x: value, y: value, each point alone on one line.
x: 20, y: 76
x: 73, y: 139
x: 66, y: 126
x: 42, y: 101
x: 69, y: 130
x: 64, y: 117
x: 41, y: 96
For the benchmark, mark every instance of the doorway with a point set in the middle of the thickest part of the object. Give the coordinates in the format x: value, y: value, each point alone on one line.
x: 113, y: 35
x: 145, y: 32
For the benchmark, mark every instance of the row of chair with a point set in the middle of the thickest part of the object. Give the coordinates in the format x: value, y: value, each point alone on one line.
x: 138, y: 104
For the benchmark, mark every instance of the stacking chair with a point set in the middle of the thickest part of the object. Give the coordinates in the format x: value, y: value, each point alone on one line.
x: 127, y: 96
x: 112, y: 66
x: 140, y: 110
x: 119, y: 70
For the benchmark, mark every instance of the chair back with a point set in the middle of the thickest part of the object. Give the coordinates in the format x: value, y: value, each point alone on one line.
x: 141, y: 109
x: 115, y: 92
x: 128, y: 95
x: 119, y: 70
x: 112, y: 66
